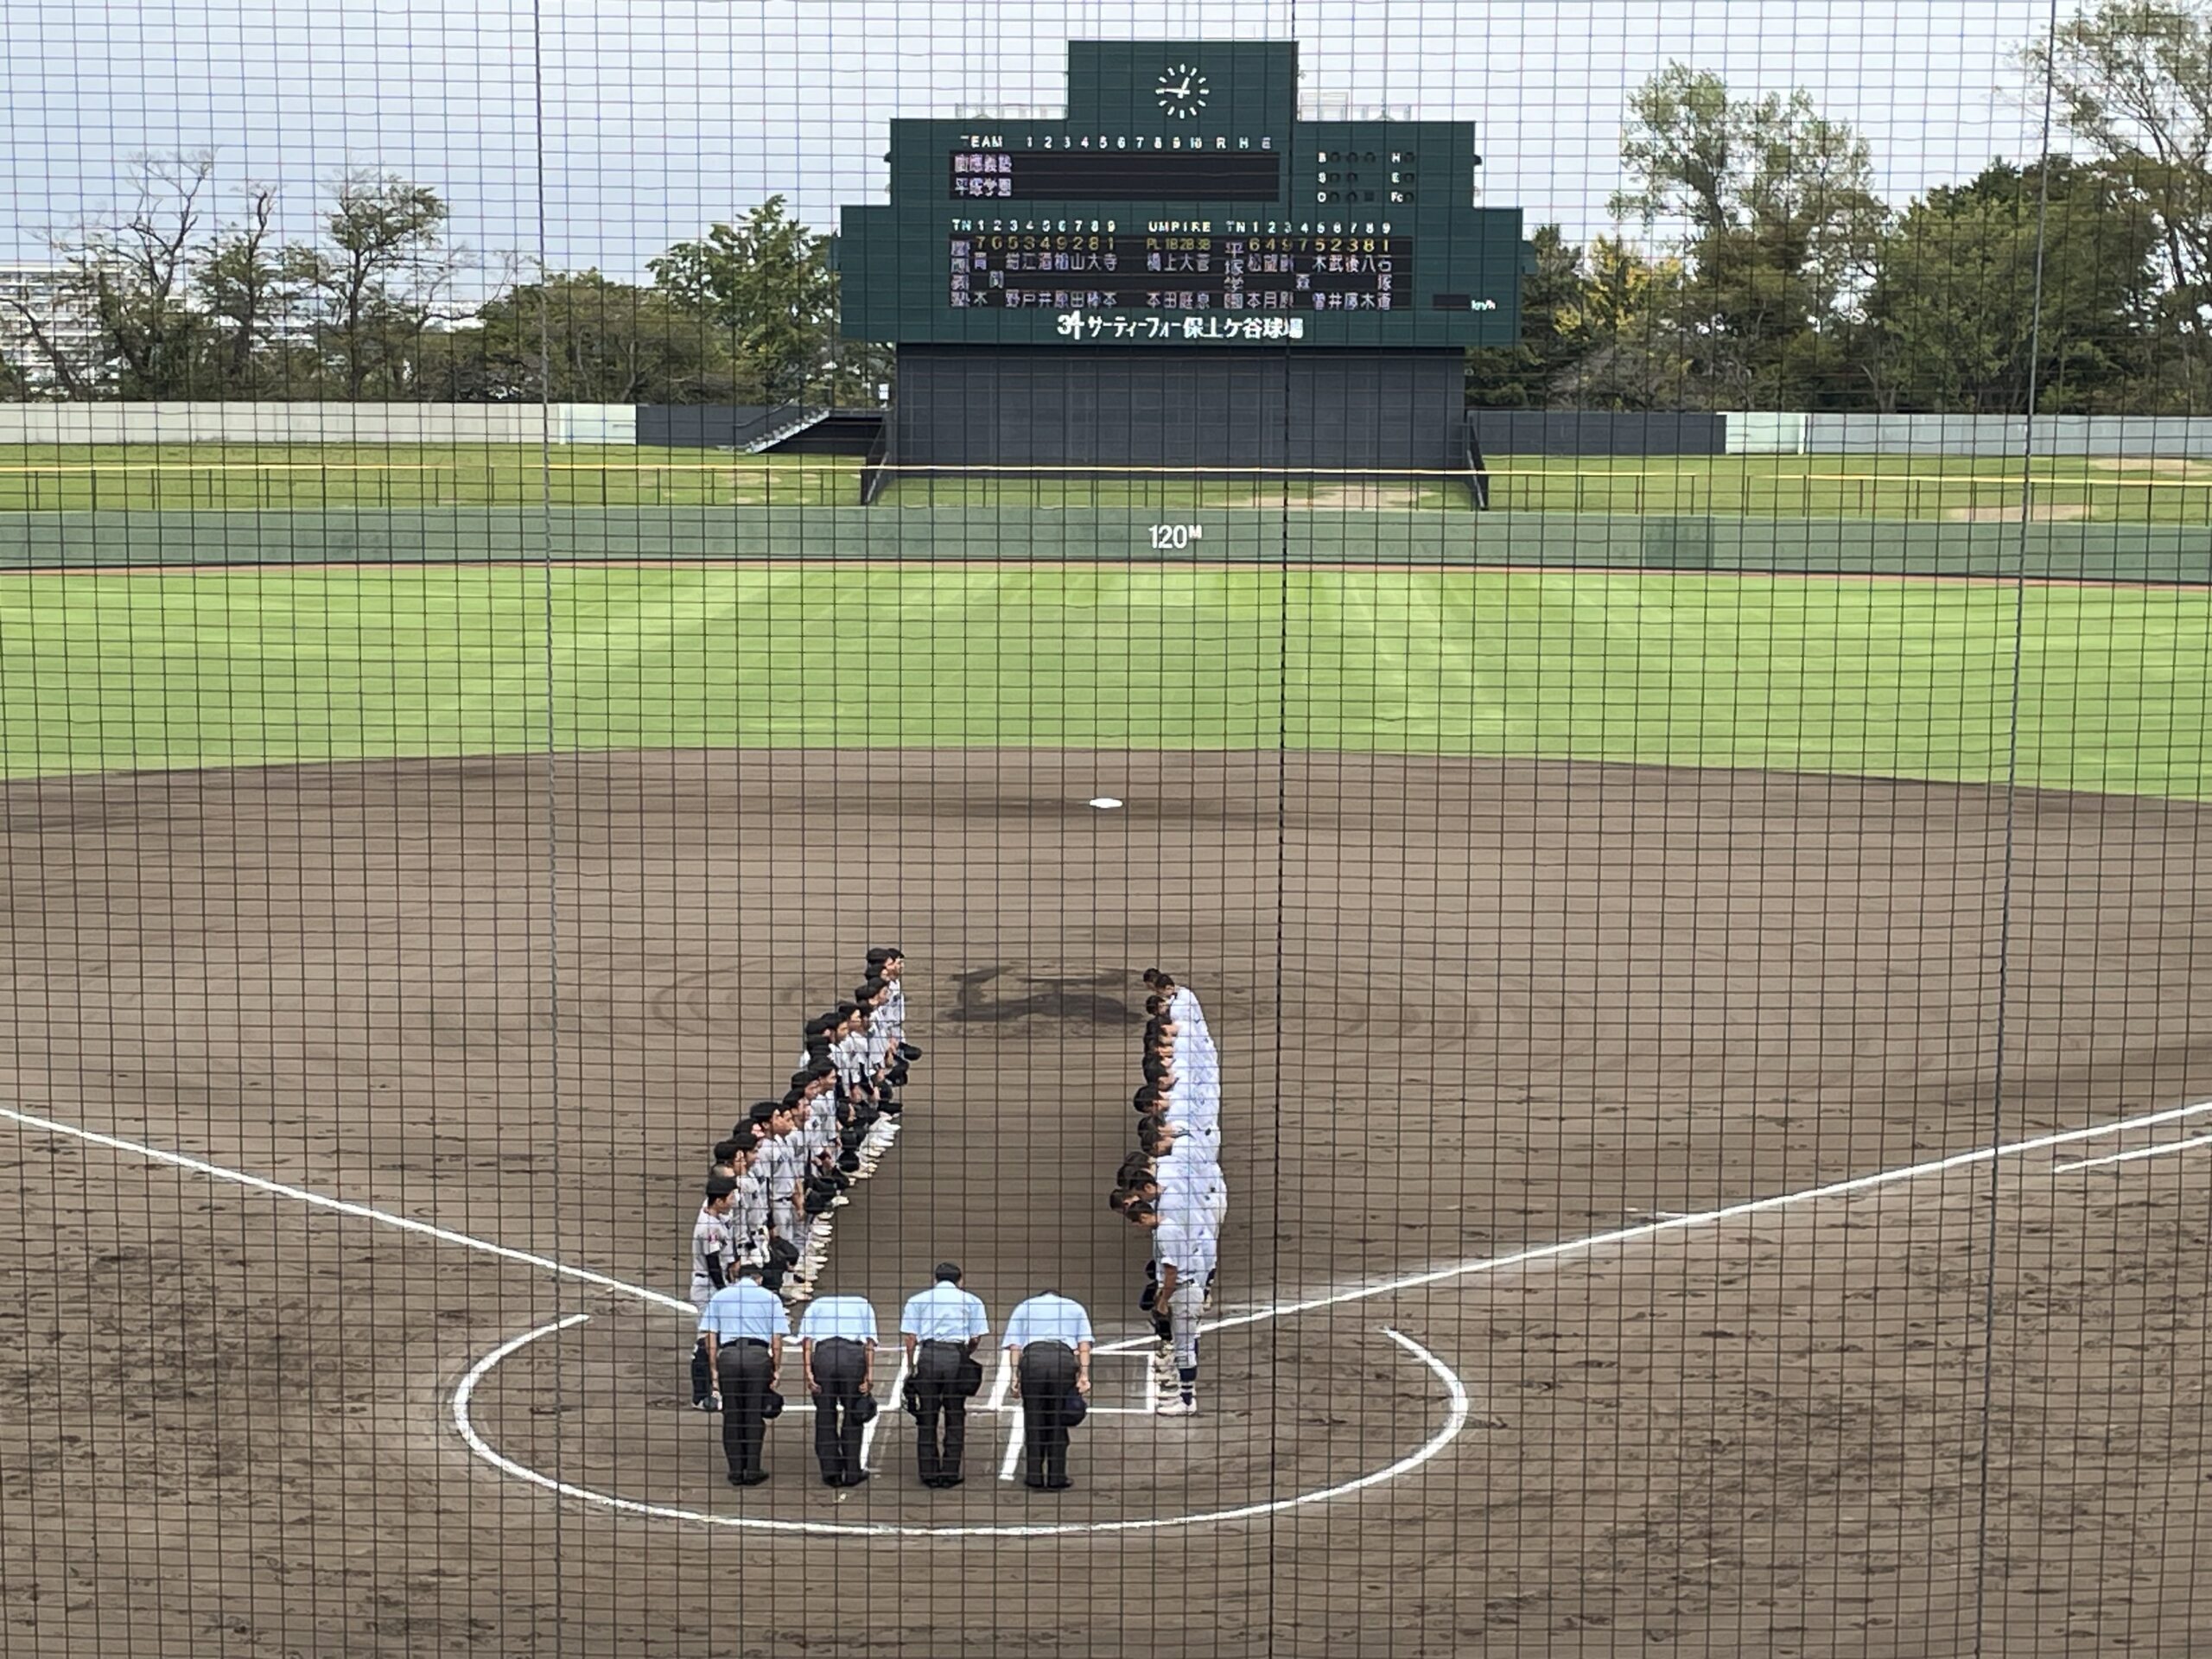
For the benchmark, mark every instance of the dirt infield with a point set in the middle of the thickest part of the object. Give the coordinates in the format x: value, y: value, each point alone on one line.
x: 1466, y: 1009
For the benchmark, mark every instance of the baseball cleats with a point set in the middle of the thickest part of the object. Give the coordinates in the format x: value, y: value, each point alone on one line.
x: 1180, y: 1405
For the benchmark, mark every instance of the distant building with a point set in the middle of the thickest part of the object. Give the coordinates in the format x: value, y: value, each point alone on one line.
x: 47, y: 294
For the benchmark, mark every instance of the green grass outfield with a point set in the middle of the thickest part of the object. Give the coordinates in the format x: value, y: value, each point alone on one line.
x: 313, y: 477
x: 1905, y: 678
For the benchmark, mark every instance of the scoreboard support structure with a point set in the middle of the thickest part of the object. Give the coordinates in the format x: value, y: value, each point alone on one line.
x: 1180, y: 273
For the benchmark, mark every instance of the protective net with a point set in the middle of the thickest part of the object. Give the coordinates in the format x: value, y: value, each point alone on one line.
x: 1131, y: 828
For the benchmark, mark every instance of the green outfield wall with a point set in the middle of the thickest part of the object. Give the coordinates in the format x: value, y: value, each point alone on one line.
x: 2082, y: 552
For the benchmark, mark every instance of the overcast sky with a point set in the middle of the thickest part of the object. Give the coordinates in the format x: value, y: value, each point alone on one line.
x: 659, y: 116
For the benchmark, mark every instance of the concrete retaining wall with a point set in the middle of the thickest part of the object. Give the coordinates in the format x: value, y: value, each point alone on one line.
x: 1502, y: 432
x: 272, y: 423
x: 1993, y: 436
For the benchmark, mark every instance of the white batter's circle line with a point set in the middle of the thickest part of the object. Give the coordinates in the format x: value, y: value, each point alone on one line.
x: 1455, y: 1418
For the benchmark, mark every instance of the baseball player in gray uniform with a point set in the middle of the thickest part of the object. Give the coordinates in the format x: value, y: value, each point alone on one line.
x: 713, y: 1260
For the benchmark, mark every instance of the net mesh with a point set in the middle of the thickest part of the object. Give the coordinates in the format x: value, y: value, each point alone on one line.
x: 1613, y: 600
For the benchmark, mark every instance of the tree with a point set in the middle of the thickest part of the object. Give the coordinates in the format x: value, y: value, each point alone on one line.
x: 1626, y: 316
x: 581, y: 338
x: 241, y: 283
x: 386, y: 277
x: 2134, y: 80
x: 767, y: 286
x: 1953, y: 309
x: 1527, y: 375
x: 1781, y: 223
x: 15, y: 384
x: 134, y: 277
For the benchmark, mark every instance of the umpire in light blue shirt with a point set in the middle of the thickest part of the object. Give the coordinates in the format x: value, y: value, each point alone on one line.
x: 743, y: 1326
x: 942, y: 1326
x: 837, y: 1348
x: 1048, y: 1340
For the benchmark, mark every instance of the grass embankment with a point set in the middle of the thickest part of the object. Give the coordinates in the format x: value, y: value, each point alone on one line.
x: 313, y: 477
x: 309, y: 476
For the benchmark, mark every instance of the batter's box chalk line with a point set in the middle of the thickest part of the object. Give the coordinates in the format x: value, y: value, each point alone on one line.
x: 1457, y: 1407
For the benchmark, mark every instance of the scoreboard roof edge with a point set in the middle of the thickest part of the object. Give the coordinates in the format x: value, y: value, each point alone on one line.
x: 1180, y: 199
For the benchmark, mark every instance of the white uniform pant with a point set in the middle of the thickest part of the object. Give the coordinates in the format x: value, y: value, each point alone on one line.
x: 791, y: 1223
x: 1183, y: 1316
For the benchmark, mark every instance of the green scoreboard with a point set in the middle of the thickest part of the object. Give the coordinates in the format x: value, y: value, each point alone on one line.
x: 1181, y: 201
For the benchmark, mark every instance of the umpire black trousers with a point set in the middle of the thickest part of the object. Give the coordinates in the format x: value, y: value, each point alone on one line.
x: 1048, y: 1373
x: 939, y: 1396
x: 744, y: 1369
x: 839, y: 1364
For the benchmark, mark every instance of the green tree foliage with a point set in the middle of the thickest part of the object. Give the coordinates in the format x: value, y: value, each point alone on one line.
x: 134, y: 274
x: 385, y: 277
x: 2134, y: 81
x: 1626, y: 319
x: 1533, y: 374
x: 244, y: 296
x: 583, y: 338
x: 1780, y: 224
x: 1952, y: 312
x: 767, y: 285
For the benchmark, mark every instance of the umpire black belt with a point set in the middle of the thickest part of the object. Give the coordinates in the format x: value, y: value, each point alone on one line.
x: 838, y: 1342
x: 743, y: 1342
x: 1046, y: 1342
x: 945, y: 1342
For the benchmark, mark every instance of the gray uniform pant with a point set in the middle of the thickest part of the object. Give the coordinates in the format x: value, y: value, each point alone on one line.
x: 1183, y: 1314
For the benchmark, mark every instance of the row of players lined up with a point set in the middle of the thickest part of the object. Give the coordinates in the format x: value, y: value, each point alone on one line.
x: 763, y: 1230
x: 788, y: 1165
x: 1171, y: 1187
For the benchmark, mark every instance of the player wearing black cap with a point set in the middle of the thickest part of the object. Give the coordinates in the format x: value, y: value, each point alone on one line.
x: 714, y: 1256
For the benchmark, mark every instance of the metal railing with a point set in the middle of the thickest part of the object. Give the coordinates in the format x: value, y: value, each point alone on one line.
x: 875, y: 469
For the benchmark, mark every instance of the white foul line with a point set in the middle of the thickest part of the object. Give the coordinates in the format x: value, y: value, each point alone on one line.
x: 1683, y: 1224
x: 340, y: 1207
x: 883, y: 1408
x: 1001, y: 1384
x: 2130, y: 1157
x: 1456, y: 1391
x: 1014, y: 1431
x: 1455, y: 1420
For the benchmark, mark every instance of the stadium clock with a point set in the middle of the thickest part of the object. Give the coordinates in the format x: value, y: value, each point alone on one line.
x: 1181, y: 90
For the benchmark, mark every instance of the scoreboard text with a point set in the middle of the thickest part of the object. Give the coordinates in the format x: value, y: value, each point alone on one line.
x: 1182, y: 199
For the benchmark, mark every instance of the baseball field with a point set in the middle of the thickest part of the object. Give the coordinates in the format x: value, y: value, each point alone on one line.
x: 1718, y: 1062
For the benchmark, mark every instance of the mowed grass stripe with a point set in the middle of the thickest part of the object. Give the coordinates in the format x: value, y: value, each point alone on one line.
x: 1887, y: 678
